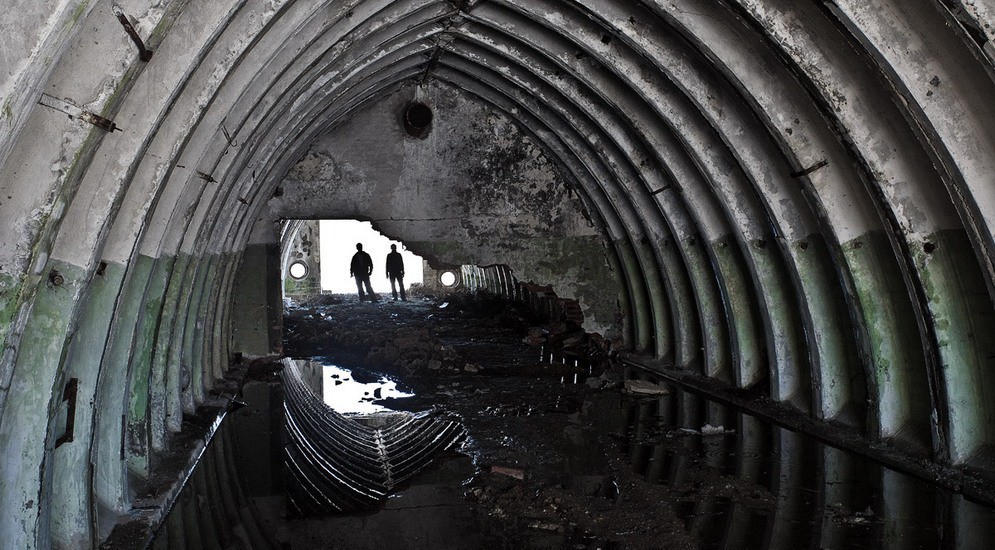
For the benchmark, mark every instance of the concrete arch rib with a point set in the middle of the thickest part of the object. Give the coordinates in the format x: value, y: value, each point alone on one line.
x: 579, y: 115
x: 784, y: 340
x: 659, y: 141
x: 952, y: 120
x: 909, y: 198
x: 809, y: 255
x: 914, y: 208
x: 537, y: 82
x: 79, y: 262
x: 169, y: 345
x: 608, y: 139
x: 774, y: 105
x: 600, y: 159
x: 121, y: 247
x: 766, y: 168
x: 868, y: 284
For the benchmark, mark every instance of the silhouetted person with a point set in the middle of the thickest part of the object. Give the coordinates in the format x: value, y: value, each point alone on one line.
x: 361, y: 268
x: 395, y: 271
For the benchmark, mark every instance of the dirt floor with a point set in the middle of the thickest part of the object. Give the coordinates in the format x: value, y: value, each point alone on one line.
x: 550, y: 445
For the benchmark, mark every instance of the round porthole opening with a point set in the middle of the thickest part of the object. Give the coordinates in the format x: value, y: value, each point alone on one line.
x: 448, y: 279
x: 298, y: 270
x: 417, y: 118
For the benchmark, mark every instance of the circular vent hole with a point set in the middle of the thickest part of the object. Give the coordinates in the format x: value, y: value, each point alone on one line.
x: 448, y: 279
x: 417, y: 119
x: 298, y: 270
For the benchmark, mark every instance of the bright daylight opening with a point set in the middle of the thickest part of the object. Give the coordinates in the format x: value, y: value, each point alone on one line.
x: 338, y: 243
x: 298, y: 270
x: 448, y: 279
x: 347, y: 395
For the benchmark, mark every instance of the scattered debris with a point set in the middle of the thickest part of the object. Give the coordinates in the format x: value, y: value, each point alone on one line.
x: 708, y: 429
x: 645, y: 387
x: 507, y: 471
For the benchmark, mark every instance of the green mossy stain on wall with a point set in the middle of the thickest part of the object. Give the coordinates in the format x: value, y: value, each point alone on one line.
x: 10, y: 290
x: 962, y: 318
x: 714, y: 333
x: 141, y: 359
x: 896, y: 362
x: 836, y: 360
x: 748, y: 350
x: 31, y: 397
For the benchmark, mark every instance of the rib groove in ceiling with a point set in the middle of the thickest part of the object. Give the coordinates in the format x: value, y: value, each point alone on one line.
x: 798, y: 195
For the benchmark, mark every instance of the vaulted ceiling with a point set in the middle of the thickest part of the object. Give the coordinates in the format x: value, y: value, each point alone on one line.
x: 796, y: 194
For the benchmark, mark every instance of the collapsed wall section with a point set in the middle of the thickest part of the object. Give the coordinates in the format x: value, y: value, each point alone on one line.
x: 474, y: 189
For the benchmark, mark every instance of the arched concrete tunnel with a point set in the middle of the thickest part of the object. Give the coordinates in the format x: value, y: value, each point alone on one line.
x: 793, y: 197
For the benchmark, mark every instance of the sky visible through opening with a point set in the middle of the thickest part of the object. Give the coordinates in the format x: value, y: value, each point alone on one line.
x: 338, y: 240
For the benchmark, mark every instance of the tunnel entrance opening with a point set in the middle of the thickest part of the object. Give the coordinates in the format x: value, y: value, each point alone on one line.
x: 316, y: 257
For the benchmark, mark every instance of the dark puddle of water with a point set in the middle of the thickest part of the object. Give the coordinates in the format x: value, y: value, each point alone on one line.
x: 735, y: 480
x: 744, y: 483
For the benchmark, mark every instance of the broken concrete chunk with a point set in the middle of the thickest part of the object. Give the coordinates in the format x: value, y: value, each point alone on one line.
x: 643, y: 387
x: 708, y: 429
x: 507, y: 471
x: 546, y: 526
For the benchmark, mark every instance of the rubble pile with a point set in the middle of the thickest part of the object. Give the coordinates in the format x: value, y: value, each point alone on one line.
x: 415, y: 349
x: 335, y: 323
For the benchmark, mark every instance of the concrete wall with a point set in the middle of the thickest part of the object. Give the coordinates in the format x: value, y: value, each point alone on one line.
x: 475, y: 189
x: 301, y: 242
x: 794, y: 197
x: 257, y: 304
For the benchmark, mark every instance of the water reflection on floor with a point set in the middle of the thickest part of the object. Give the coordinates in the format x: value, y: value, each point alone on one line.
x: 782, y: 489
x: 347, y: 395
x: 735, y: 481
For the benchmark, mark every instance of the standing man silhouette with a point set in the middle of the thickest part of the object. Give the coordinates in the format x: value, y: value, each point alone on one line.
x: 361, y: 268
x: 395, y: 271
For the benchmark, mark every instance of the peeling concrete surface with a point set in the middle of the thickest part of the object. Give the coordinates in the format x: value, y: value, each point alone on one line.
x: 477, y: 190
x: 792, y: 197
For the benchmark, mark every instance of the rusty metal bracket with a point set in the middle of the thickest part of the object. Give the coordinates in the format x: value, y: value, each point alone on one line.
x: 144, y: 53
x: 433, y: 62
x: 228, y: 137
x: 75, y: 112
x: 69, y: 394
x: 819, y: 165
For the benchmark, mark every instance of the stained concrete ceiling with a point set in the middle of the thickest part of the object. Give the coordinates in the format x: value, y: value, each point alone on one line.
x: 795, y: 195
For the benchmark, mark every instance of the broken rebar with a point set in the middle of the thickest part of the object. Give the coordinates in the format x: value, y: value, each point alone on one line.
x: 73, y: 111
x: 144, y: 53
x: 821, y: 164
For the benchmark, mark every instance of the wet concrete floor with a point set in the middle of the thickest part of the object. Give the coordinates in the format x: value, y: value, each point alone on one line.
x: 564, y: 457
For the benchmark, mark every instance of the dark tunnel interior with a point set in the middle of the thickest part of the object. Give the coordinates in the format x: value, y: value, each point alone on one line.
x: 781, y: 206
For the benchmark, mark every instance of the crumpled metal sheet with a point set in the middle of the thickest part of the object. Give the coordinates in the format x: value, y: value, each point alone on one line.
x: 336, y: 464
